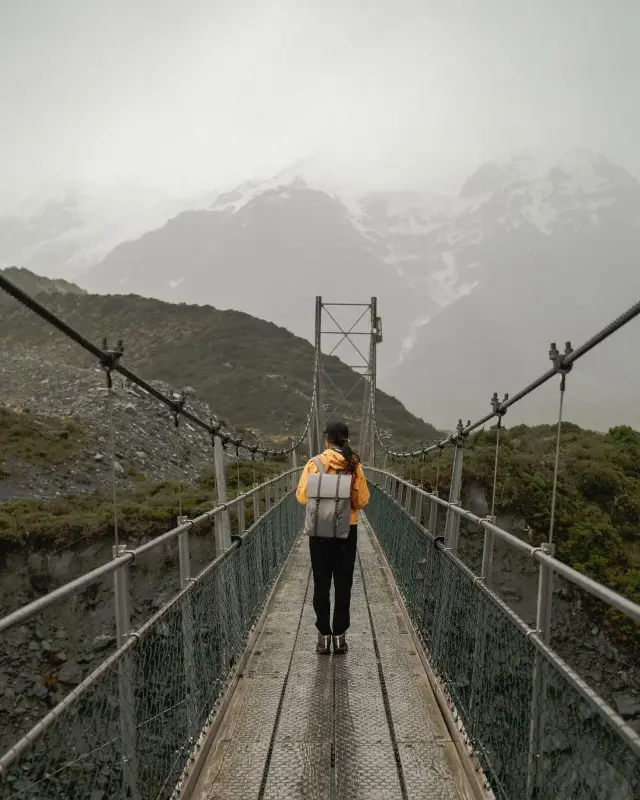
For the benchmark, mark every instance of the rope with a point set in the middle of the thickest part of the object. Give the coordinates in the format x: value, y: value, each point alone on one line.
x: 554, y: 491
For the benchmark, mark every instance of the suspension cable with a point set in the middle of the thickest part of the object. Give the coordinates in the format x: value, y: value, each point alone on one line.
x: 112, y: 448
x: 495, y: 467
x: 179, y: 461
x: 554, y: 491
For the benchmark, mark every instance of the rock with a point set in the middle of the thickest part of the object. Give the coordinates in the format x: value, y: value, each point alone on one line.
x: 130, y: 408
x: 59, y: 657
x: 99, y: 457
x: 102, y: 641
x: 118, y: 468
x: 70, y: 674
x: 627, y: 705
x: 595, y: 631
x: 40, y: 691
x: 141, y: 455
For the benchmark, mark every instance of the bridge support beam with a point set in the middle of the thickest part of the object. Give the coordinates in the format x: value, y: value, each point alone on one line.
x: 487, y: 554
x: 452, y: 527
x: 222, y: 522
x: 433, y: 515
x: 539, y: 693
x: 126, y: 697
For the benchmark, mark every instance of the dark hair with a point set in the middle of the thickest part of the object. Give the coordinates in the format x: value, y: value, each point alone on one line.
x: 337, y: 434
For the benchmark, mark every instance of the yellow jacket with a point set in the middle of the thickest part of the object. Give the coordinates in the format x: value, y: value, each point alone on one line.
x: 333, y: 461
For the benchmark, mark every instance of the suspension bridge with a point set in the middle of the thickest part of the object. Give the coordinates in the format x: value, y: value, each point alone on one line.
x: 445, y: 691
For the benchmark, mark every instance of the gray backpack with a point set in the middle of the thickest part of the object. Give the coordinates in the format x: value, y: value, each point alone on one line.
x: 328, y: 503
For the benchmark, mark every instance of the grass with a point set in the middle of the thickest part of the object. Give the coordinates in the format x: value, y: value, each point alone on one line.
x: 144, y: 510
x: 39, y: 440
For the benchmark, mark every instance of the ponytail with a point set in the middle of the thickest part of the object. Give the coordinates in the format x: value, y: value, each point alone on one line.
x: 351, y: 458
x: 337, y: 434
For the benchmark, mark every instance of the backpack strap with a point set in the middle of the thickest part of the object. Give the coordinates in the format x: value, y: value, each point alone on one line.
x: 319, y: 465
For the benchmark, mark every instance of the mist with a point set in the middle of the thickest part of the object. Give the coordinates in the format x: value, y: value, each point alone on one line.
x: 194, y: 95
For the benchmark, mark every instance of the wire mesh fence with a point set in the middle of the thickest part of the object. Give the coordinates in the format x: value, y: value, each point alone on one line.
x: 128, y: 729
x: 534, y: 732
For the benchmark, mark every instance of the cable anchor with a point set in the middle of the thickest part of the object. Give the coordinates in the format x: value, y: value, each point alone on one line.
x: 110, y: 359
x: 496, y: 405
x: 558, y: 358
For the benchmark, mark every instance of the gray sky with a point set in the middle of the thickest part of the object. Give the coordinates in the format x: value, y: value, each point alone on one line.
x: 194, y: 94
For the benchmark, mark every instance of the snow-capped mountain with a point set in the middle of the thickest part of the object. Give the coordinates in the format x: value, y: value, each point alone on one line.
x: 546, y: 248
x: 69, y: 233
x: 536, y: 247
x: 265, y: 248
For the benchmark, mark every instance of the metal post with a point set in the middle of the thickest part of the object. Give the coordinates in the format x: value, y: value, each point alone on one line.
x: 256, y: 505
x: 539, y: 682
x: 126, y: 693
x: 223, y: 525
x: 187, y: 634
x: 452, y: 526
x: 433, y: 516
x: 487, y: 554
x: 242, y: 521
x: 418, y: 508
x: 545, y: 596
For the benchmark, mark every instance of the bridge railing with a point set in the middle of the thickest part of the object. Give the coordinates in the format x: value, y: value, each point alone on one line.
x: 129, y: 727
x: 537, y: 729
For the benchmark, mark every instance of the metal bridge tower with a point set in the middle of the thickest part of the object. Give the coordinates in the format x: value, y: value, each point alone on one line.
x: 358, y: 331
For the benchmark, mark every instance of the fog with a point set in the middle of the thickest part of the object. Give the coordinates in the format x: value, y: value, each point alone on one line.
x: 192, y: 95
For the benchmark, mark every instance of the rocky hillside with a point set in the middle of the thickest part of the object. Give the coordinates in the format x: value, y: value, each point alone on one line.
x: 253, y: 374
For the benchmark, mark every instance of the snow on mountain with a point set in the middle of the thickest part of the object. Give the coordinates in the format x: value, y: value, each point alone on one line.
x: 538, y: 248
x: 523, y: 238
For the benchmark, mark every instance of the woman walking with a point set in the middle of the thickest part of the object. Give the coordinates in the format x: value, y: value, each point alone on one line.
x: 334, y: 489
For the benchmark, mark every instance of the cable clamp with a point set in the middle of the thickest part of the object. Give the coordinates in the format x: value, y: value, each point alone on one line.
x: 557, y: 358
x: 496, y: 405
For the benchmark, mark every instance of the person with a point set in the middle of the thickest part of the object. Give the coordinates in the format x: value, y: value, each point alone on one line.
x: 334, y: 558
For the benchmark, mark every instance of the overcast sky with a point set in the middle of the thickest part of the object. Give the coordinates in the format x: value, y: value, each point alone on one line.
x: 195, y: 94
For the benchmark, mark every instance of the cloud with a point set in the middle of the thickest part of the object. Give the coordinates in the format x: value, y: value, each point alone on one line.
x: 194, y: 94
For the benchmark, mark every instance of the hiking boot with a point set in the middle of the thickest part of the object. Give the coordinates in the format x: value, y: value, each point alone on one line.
x: 340, y: 645
x: 323, y: 645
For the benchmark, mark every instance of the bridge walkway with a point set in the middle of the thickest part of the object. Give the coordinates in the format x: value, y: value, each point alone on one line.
x: 361, y: 726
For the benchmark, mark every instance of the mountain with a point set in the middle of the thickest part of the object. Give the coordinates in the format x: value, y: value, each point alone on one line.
x: 541, y: 250
x: 267, y: 248
x: 253, y: 373
x: 37, y: 284
x: 472, y: 288
x: 69, y: 233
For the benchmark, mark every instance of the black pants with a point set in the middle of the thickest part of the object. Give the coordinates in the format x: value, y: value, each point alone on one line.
x: 333, y: 558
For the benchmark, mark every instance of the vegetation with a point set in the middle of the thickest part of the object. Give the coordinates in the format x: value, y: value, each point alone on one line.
x: 145, y: 509
x: 42, y: 441
x: 597, y: 521
x: 252, y: 373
